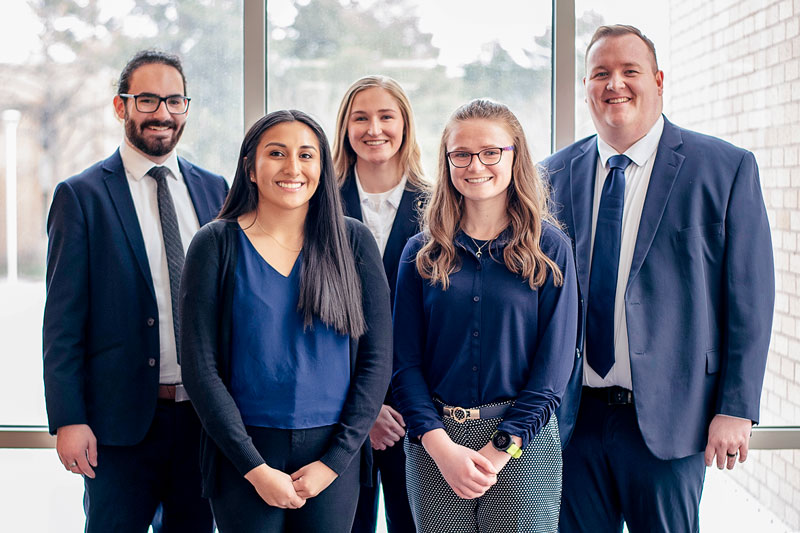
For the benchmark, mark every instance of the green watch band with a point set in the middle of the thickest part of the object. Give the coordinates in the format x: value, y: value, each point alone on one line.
x: 514, y: 451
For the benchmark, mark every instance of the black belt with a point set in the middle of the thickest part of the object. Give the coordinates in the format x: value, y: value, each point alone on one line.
x: 462, y: 414
x: 610, y: 395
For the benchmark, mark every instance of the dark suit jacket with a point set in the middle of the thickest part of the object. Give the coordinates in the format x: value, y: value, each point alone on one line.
x: 101, y: 347
x: 406, y: 223
x: 701, y: 289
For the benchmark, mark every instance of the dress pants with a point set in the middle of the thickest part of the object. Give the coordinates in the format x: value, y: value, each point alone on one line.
x: 525, y: 498
x: 239, y: 509
x: 131, y: 481
x: 610, y: 476
x: 388, y: 469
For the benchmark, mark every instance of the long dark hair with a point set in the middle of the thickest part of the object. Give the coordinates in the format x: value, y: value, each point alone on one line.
x: 329, y: 284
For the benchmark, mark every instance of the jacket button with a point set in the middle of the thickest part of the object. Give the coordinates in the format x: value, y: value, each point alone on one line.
x: 151, y: 362
x: 475, y: 333
x: 476, y: 298
x: 151, y: 321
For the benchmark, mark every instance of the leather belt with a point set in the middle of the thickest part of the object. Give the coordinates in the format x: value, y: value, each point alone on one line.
x: 461, y: 415
x: 611, y: 395
x: 175, y: 393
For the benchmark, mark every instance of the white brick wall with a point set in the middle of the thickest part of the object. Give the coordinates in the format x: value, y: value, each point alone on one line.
x: 736, y: 74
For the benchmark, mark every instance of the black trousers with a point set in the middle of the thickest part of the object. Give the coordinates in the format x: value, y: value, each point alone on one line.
x: 389, y: 469
x: 239, y: 509
x: 131, y: 481
x: 610, y: 475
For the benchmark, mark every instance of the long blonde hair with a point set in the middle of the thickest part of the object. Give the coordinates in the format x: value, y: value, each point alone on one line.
x: 527, y: 202
x: 344, y: 156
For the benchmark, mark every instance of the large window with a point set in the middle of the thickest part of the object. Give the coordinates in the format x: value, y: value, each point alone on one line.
x: 442, y: 53
x: 59, y: 60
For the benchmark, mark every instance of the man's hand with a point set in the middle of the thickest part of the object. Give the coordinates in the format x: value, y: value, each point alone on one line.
x: 274, y: 487
x: 388, y: 428
x: 313, y: 479
x: 77, y: 448
x: 468, y: 473
x: 727, y: 437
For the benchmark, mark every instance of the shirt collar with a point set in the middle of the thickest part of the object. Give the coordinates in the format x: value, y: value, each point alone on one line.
x: 640, y: 151
x: 138, y: 165
x: 393, y: 196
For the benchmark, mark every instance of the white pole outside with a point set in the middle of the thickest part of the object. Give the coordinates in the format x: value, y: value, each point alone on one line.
x: 11, y: 120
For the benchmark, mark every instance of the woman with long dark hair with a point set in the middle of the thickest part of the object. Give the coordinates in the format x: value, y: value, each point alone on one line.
x: 285, y: 341
x: 377, y: 162
x: 485, y: 322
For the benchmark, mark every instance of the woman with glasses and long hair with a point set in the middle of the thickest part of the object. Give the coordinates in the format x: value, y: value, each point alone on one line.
x: 485, y: 323
x: 285, y: 339
x: 377, y: 162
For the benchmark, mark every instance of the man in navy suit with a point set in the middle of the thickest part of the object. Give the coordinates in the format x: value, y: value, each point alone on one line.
x: 117, y: 233
x: 675, y: 270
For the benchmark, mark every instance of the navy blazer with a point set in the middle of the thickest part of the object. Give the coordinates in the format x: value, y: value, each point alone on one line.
x: 700, y: 294
x: 100, y: 334
x: 406, y: 223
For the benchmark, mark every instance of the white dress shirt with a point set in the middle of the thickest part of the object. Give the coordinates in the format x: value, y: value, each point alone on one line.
x: 637, y: 179
x: 379, y: 209
x: 145, y: 201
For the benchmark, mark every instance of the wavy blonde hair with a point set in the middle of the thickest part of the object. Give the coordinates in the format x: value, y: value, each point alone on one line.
x: 527, y: 202
x: 344, y: 156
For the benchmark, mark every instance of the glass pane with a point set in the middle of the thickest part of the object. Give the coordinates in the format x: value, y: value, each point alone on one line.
x: 59, y: 61
x: 730, y: 70
x: 442, y: 53
x: 38, y: 494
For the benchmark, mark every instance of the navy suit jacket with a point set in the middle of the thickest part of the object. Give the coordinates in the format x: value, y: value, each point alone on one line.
x: 700, y: 294
x: 100, y: 334
x: 406, y: 223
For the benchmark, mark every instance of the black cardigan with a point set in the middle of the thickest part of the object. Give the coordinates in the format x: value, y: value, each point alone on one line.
x: 206, y: 300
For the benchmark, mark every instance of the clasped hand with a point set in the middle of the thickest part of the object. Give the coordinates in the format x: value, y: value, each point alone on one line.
x: 285, y: 491
x: 469, y: 473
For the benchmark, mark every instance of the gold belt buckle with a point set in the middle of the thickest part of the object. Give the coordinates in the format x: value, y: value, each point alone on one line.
x: 461, y: 415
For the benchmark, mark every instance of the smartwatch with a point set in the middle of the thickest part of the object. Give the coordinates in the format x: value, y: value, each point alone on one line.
x: 502, y: 441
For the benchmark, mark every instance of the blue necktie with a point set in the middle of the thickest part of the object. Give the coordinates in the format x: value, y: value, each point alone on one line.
x: 605, y: 265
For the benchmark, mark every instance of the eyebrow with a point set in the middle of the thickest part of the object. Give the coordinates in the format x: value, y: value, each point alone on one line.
x: 305, y: 146
x: 387, y: 110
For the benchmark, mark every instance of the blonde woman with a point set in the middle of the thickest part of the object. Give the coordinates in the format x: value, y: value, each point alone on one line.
x: 377, y: 162
x: 485, y: 323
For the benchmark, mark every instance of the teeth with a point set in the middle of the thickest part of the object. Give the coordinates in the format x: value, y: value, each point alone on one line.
x: 289, y: 184
x: 158, y: 128
x: 374, y: 143
x: 477, y: 180
x: 618, y: 100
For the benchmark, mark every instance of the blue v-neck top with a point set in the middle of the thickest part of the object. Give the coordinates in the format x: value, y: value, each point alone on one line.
x: 282, y: 376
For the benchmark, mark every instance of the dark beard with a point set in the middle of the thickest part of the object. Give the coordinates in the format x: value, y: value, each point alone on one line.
x: 155, y: 147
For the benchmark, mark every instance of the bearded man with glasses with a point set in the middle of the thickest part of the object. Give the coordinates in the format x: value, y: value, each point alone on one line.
x: 118, y: 233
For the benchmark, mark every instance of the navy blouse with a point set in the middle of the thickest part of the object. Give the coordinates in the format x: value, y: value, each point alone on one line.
x: 488, y: 338
x: 282, y: 376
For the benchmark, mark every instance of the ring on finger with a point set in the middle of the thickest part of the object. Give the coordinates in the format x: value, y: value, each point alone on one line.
x: 732, y: 454
x: 73, y: 464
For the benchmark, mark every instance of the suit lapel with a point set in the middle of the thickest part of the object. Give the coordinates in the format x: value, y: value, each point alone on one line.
x: 405, y: 225
x: 196, y: 192
x: 118, y: 189
x: 583, y: 169
x: 665, y: 169
x: 350, y: 200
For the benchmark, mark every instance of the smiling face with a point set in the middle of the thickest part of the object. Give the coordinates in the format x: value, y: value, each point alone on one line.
x: 375, y: 126
x: 287, y: 166
x: 153, y: 134
x: 478, y: 182
x: 623, y: 92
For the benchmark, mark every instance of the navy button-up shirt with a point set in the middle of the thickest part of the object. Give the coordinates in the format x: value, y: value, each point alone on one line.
x: 488, y: 338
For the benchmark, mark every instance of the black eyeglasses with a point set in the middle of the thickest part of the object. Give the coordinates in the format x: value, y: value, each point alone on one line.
x: 487, y: 156
x: 177, y: 104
